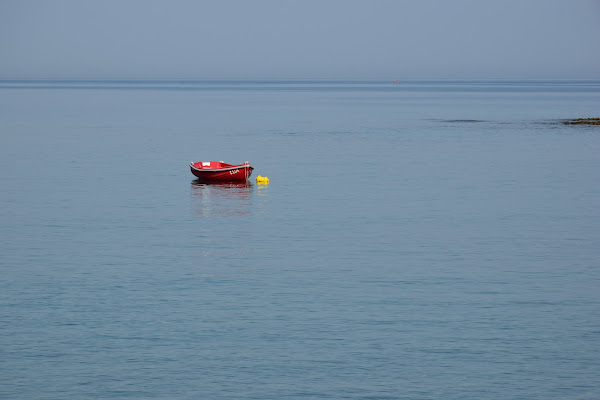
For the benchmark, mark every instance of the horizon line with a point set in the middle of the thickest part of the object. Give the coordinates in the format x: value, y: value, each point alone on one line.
x: 287, y: 79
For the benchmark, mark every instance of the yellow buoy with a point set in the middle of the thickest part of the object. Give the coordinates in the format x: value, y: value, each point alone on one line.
x: 262, y: 180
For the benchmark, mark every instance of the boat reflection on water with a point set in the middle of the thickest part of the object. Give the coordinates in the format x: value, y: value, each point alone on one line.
x: 221, y: 199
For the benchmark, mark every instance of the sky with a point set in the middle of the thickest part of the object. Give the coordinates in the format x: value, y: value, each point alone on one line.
x: 300, y: 39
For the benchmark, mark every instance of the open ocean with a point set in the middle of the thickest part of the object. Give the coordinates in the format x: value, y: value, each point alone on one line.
x: 417, y: 240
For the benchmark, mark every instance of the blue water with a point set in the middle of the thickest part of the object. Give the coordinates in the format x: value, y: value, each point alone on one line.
x: 417, y: 240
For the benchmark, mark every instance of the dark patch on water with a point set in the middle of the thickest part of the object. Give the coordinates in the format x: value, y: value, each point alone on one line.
x: 459, y: 121
x: 580, y: 121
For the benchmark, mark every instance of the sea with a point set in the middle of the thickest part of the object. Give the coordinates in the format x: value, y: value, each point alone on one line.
x: 421, y: 239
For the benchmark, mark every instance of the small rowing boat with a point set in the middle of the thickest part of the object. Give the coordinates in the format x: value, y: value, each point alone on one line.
x: 218, y: 171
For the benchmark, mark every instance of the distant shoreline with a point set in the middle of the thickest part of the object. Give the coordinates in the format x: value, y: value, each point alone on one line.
x: 582, y: 121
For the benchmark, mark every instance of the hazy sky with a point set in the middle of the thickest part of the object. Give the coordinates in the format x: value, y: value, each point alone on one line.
x: 378, y: 39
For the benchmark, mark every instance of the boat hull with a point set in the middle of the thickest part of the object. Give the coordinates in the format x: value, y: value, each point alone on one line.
x: 218, y: 172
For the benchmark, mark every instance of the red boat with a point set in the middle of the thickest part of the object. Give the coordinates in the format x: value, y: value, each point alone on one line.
x: 218, y: 171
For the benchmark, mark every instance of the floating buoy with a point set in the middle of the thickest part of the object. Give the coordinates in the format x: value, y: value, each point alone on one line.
x: 262, y: 180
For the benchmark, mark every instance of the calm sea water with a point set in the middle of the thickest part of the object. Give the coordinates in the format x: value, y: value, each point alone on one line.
x: 417, y: 240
